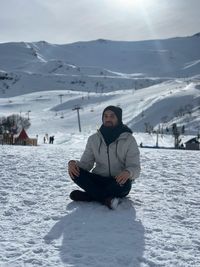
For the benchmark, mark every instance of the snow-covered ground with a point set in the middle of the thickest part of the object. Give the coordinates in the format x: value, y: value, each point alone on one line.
x: 158, y: 225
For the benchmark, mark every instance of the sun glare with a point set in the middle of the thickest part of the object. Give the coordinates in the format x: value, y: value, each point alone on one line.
x: 132, y: 3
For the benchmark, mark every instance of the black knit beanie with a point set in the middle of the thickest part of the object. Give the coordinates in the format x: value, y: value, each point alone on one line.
x: 116, y: 110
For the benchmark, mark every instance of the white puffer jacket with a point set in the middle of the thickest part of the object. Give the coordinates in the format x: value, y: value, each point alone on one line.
x: 122, y: 154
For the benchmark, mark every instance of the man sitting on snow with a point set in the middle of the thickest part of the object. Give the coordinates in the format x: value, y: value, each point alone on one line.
x: 113, y: 156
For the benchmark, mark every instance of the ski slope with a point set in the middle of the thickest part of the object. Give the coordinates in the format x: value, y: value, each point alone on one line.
x: 52, y: 111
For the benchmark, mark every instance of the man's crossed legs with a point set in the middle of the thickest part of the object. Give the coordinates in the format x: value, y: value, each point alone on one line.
x: 98, y: 188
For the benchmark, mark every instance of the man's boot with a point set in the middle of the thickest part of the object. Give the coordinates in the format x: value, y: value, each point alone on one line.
x: 78, y: 195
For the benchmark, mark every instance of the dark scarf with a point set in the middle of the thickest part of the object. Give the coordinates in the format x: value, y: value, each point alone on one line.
x: 110, y: 134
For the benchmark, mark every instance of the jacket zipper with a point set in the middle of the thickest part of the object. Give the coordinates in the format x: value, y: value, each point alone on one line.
x: 108, y: 160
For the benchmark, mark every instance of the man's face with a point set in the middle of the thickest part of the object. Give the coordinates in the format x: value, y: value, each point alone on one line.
x: 110, y: 119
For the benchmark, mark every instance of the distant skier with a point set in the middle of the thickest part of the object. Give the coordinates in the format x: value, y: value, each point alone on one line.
x: 113, y: 156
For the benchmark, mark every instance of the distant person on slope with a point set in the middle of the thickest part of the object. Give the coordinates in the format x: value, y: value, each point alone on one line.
x: 113, y: 156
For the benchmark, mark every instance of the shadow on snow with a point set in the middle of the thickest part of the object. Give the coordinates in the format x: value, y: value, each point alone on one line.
x: 93, y: 235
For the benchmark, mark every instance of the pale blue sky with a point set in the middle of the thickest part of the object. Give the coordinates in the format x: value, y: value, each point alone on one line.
x: 66, y: 21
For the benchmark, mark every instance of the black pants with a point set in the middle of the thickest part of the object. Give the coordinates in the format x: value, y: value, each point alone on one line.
x: 99, y: 187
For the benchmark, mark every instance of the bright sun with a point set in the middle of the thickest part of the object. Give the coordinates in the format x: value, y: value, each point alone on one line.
x: 131, y: 3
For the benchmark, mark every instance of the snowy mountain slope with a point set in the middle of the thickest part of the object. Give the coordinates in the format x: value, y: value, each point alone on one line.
x: 174, y: 104
x: 17, y: 83
x: 163, y: 104
x: 171, y: 57
x: 43, y: 69
x: 95, y: 66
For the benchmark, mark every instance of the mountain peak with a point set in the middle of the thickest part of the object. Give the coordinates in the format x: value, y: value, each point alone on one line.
x: 102, y: 40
